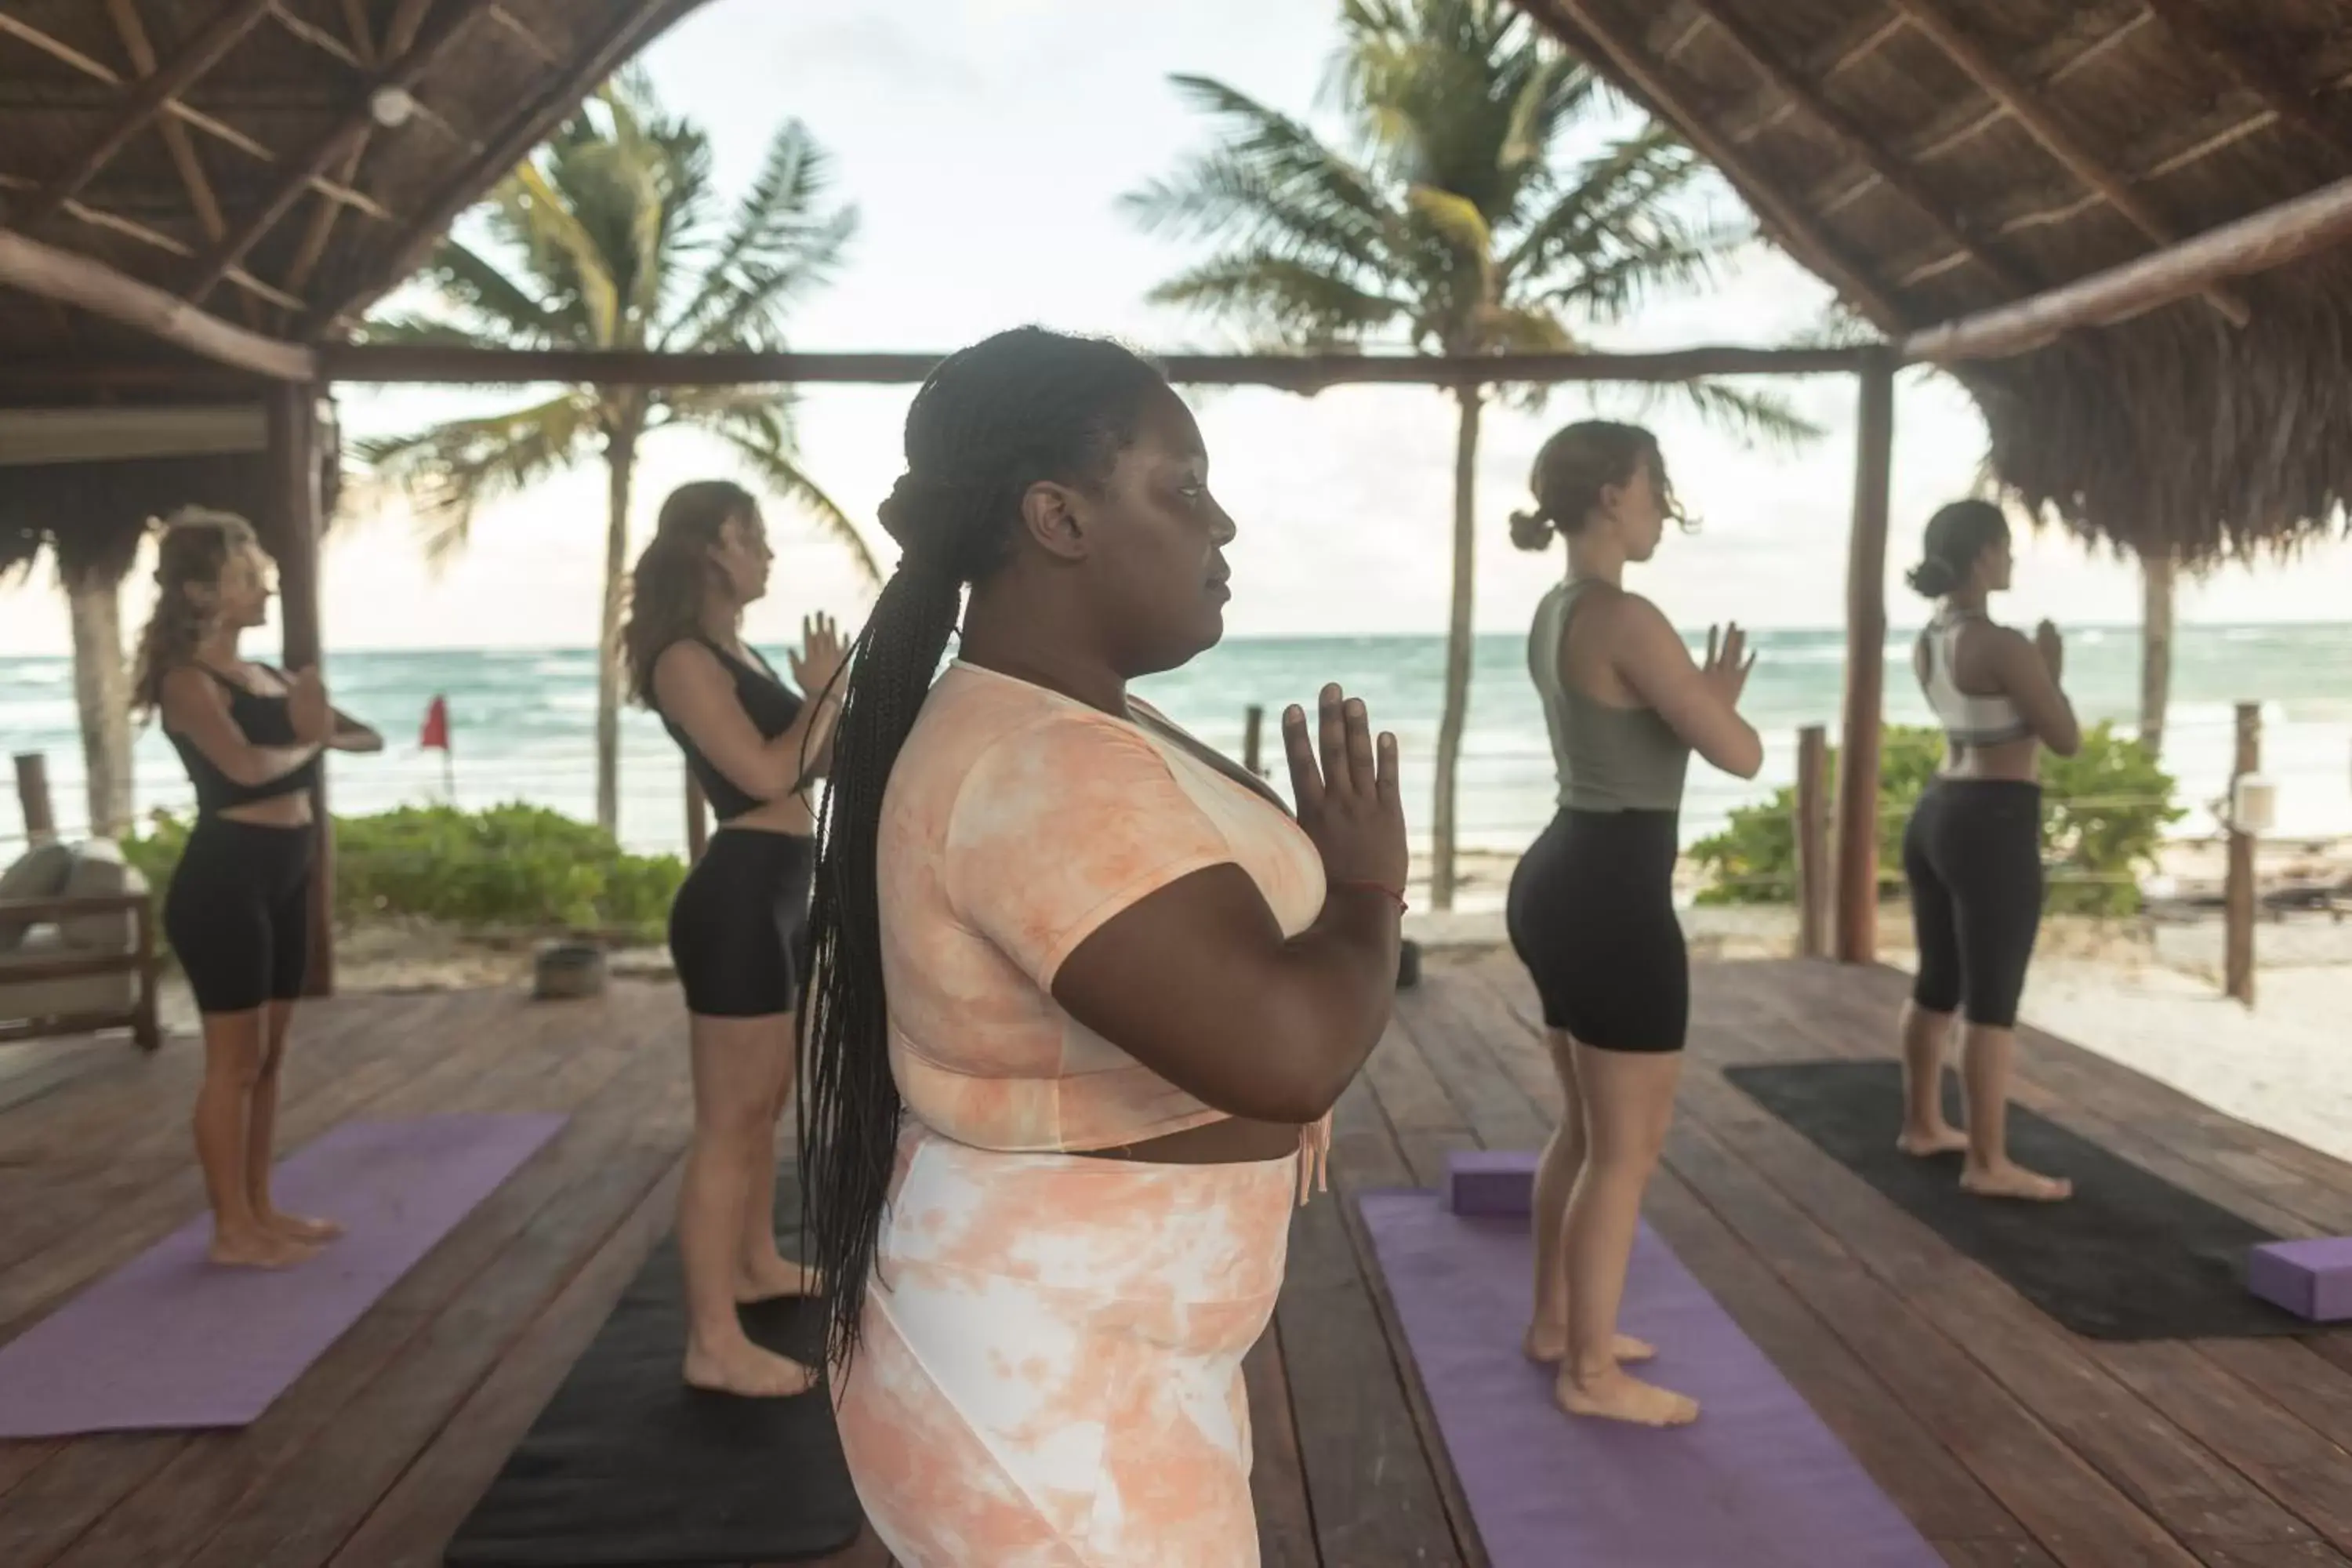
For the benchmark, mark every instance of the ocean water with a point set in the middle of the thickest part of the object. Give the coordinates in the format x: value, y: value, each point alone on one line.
x: 523, y: 723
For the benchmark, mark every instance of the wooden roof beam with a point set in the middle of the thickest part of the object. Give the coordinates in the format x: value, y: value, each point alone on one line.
x: 223, y: 33
x: 2272, y: 237
x: 507, y: 148
x: 433, y: 363
x: 408, y: 69
x: 74, y: 279
x: 194, y: 117
x: 1582, y: 23
x: 176, y: 141
x: 1857, y: 143
x: 1853, y: 44
x: 2282, y: 94
x: 2013, y: 95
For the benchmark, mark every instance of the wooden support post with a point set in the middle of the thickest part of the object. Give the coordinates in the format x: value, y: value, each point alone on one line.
x: 1253, y: 740
x: 292, y: 408
x: 1814, y: 892
x: 2238, y: 902
x: 33, y: 797
x: 1865, y: 671
x: 698, y: 825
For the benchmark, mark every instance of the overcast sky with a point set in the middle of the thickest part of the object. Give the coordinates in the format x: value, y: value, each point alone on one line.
x: 986, y: 161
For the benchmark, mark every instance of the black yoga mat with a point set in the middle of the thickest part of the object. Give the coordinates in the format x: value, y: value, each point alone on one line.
x: 2129, y: 1256
x: 628, y: 1468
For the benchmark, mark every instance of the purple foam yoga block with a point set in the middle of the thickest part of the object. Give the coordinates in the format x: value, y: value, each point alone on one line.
x: 1499, y: 1181
x: 2310, y: 1279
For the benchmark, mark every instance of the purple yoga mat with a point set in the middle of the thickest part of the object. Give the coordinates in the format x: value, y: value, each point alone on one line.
x: 1757, y: 1481
x: 170, y: 1341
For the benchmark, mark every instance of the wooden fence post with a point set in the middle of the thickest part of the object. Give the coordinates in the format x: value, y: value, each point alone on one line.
x: 698, y: 827
x: 1253, y: 740
x: 1857, y: 867
x: 1814, y: 890
x: 33, y: 796
x: 2237, y: 903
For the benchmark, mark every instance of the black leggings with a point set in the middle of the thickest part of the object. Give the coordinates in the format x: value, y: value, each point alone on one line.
x: 1972, y: 854
x: 739, y: 929
x: 1591, y: 914
x: 238, y: 913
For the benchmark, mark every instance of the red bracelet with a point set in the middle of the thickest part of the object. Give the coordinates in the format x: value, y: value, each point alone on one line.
x: 1394, y: 895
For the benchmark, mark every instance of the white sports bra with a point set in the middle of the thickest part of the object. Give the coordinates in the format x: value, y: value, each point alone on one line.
x: 1968, y: 720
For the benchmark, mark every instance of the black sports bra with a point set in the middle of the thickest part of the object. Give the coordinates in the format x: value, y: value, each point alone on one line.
x: 768, y: 702
x: 264, y: 720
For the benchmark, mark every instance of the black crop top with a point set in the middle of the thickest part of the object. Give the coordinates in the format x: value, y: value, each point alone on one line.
x: 264, y: 720
x: 768, y: 702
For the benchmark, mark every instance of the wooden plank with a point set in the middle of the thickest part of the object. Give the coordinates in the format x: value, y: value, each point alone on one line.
x: 134, y: 1221
x: 1994, y: 1554
x: 424, y: 1509
x: 2309, y: 1475
x: 1902, y: 1454
x: 1445, y: 1019
x: 435, y: 363
x: 1285, y: 1524
x: 77, y: 1487
x: 2083, y: 1518
x: 1375, y: 1503
x: 208, y: 1484
x: 323, y: 1495
x: 2295, y: 1376
x: 2178, y: 1481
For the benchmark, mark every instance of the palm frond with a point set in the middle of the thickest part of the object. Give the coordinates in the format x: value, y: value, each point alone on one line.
x: 778, y: 245
x: 1761, y: 417
x: 556, y: 228
x: 1282, y: 303
x: 449, y: 470
x: 1269, y: 178
x: 496, y: 308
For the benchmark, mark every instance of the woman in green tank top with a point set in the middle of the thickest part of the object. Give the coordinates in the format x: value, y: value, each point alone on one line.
x: 1591, y: 909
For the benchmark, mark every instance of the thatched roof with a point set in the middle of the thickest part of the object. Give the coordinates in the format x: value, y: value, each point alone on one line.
x: 230, y: 150
x: 1933, y: 158
x: 242, y: 155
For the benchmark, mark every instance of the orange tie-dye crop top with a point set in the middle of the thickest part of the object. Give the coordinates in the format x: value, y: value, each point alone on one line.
x: 1016, y: 823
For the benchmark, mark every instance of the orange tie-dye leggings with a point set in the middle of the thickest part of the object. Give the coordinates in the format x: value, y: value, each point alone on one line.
x: 1050, y: 1375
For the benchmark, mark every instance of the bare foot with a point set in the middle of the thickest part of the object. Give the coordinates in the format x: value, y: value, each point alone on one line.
x: 1617, y: 1396
x: 259, y: 1250
x: 2009, y: 1181
x: 296, y: 1227
x: 745, y: 1369
x: 1549, y: 1346
x: 772, y: 1277
x: 1941, y: 1138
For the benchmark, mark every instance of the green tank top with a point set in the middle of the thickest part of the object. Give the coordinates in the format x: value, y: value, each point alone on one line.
x: 1608, y: 758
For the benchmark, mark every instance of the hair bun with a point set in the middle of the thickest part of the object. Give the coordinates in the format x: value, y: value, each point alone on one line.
x: 1532, y: 529
x: 1932, y: 578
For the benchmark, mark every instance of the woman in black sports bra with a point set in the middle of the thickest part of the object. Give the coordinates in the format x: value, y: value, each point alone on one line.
x: 737, y: 931
x: 239, y: 910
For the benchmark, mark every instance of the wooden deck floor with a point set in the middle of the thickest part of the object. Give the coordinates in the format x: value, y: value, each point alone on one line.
x: 2009, y: 1441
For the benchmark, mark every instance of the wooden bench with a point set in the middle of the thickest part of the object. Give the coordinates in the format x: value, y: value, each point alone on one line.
x: 45, y: 975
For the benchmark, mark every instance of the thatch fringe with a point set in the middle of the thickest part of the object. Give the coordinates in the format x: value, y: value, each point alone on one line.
x: 95, y: 515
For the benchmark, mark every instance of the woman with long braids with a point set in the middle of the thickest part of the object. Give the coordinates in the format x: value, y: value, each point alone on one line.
x: 739, y: 929
x: 1108, y: 985
x: 237, y: 913
x: 1972, y: 851
x: 1591, y: 909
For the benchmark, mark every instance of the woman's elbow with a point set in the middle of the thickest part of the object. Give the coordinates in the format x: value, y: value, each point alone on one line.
x: 2064, y: 740
x: 1741, y: 755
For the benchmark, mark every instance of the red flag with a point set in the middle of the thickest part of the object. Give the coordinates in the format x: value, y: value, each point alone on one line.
x: 435, y: 736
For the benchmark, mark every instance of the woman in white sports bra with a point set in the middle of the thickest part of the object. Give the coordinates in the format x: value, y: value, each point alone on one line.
x: 1972, y: 852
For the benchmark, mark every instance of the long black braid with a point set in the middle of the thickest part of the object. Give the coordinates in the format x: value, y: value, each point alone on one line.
x: 992, y: 421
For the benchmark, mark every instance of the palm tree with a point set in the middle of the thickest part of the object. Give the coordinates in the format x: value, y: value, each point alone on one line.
x: 1460, y: 225
x: 91, y: 567
x: 611, y: 237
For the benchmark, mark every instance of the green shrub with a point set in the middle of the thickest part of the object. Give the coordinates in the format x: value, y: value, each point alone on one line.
x: 2104, y: 814
x: 510, y: 865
